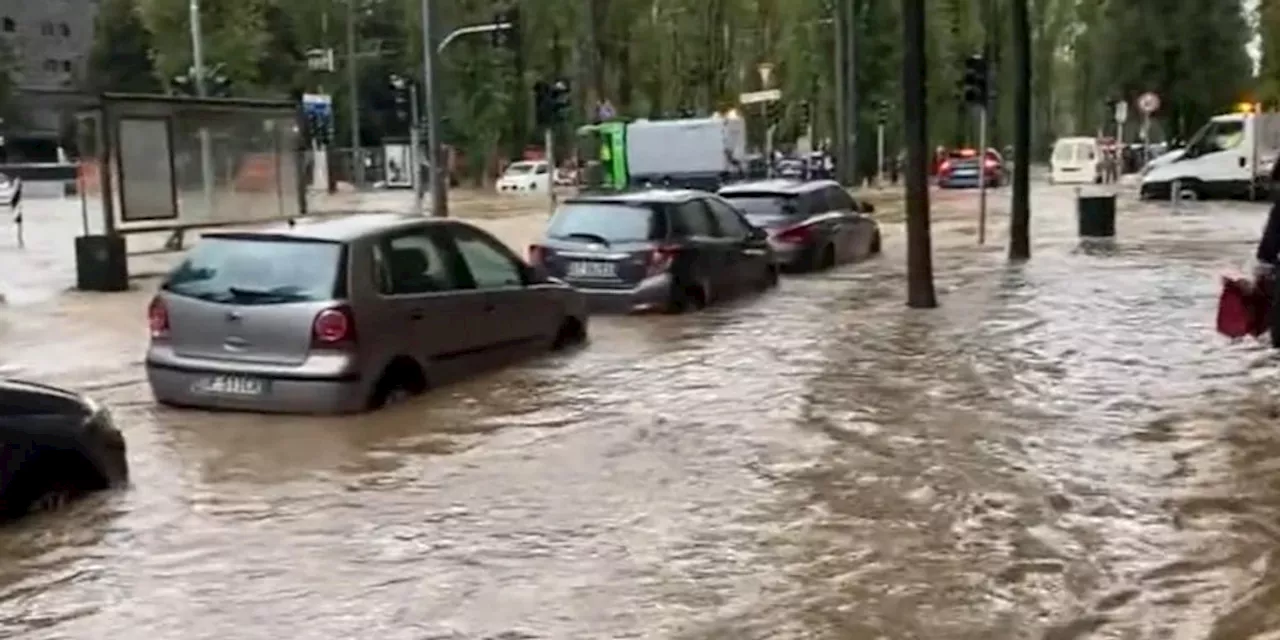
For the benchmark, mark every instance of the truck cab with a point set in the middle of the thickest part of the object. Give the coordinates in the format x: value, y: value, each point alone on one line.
x: 1229, y: 157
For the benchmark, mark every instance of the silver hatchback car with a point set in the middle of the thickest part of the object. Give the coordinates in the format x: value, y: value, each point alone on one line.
x: 349, y: 314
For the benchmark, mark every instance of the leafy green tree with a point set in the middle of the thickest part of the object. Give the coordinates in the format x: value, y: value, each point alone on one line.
x: 120, y: 59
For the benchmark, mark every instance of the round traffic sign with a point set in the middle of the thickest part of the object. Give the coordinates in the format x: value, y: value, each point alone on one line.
x: 1149, y: 102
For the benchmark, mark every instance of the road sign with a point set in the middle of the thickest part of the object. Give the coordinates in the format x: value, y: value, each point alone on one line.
x: 605, y: 110
x: 318, y: 104
x: 1149, y: 103
x: 765, y: 70
x: 756, y: 97
x: 1122, y: 111
x: 320, y: 60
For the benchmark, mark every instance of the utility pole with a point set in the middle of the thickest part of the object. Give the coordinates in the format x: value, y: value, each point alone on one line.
x: 1020, y: 218
x: 839, y: 146
x: 851, y: 86
x: 353, y: 96
x: 920, y: 290
x: 437, y: 178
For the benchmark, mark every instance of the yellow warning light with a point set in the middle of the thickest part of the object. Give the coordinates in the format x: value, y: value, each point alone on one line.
x: 1248, y: 107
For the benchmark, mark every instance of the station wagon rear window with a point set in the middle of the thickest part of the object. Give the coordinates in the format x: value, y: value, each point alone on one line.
x: 258, y: 270
x: 608, y: 221
x: 761, y: 204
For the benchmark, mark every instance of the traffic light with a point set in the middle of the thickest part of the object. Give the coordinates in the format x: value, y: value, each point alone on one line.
x: 974, y: 84
x: 216, y: 83
x: 317, y: 127
x: 561, y: 100
x: 542, y: 104
x: 882, y: 112
x: 510, y: 37
x: 401, y: 98
x: 806, y: 114
x: 772, y: 113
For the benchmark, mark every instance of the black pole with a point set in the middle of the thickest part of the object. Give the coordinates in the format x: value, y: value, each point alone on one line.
x: 851, y: 86
x: 1020, y: 219
x: 920, y: 290
x: 841, y: 93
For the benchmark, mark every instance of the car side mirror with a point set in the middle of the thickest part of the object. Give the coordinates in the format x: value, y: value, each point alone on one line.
x: 757, y: 233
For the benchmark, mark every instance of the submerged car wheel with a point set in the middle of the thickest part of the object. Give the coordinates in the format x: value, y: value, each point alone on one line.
x: 401, y: 380
x: 572, y: 332
x: 689, y: 297
x: 875, y: 243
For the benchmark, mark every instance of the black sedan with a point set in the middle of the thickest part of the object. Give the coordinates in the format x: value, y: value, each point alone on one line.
x: 655, y: 250
x: 55, y: 445
x: 812, y: 225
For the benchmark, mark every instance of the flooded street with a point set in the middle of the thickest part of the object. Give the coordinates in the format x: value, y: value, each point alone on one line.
x: 1065, y: 449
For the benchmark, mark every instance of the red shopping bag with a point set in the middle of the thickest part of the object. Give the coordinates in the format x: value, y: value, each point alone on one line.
x: 1244, y: 308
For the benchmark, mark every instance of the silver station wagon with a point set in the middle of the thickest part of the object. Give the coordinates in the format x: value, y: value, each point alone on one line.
x: 348, y: 314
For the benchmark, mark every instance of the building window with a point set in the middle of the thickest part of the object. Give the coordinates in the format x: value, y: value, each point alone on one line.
x: 51, y: 66
x: 65, y: 30
x: 9, y: 25
x: 66, y: 66
x: 46, y: 28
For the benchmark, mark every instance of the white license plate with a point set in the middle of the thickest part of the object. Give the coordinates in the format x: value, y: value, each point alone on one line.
x: 592, y: 270
x: 230, y: 385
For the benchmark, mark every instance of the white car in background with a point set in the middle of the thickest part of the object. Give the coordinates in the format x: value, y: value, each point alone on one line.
x: 528, y: 176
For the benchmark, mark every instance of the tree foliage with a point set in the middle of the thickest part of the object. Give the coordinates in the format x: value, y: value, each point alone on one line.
x: 656, y: 58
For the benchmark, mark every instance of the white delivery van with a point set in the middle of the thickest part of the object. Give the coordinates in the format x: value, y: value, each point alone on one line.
x: 1075, y: 161
x: 1227, y: 158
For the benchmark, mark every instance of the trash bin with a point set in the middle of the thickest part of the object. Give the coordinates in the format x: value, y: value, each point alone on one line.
x: 101, y: 263
x: 1096, y: 216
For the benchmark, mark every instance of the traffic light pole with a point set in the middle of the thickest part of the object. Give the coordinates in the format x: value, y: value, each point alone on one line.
x: 549, y: 139
x: 982, y: 174
x: 880, y: 153
x: 438, y: 176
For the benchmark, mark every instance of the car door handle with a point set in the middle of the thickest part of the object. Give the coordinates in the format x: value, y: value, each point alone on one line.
x: 1242, y: 161
x: 416, y: 314
x: 488, y: 306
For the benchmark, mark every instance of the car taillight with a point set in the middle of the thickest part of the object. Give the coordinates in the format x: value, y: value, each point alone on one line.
x: 660, y: 259
x: 333, y: 328
x: 992, y: 164
x: 158, y: 319
x: 946, y: 166
x: 537, y: 254
x: 794, y: 235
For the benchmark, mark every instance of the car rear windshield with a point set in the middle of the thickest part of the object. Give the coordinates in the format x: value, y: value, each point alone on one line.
x: 249, y: 271
x: 608, y: 221
x: 763, y: 204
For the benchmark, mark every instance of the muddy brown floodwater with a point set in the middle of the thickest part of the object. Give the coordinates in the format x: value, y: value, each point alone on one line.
x: 1063, y: 450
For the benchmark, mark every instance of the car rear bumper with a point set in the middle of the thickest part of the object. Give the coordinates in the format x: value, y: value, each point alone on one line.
x: 177, y: 385
x: 792, y: 256
x: 964, y: 182
x: 652, y: 294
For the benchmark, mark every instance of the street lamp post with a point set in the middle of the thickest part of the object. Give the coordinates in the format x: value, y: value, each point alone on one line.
x: 202, y: 90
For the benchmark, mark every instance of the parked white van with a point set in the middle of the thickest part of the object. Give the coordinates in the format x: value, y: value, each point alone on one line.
x: 1075, y: 161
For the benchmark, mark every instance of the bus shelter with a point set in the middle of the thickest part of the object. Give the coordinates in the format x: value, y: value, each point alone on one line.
x: 165, y: 164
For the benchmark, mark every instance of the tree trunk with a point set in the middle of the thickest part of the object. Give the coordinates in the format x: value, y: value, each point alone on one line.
x: 1020, y: 219
x: 920, y: 291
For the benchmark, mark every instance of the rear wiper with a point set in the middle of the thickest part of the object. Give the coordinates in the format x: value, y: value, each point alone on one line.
x: 588, y: 236
x: 284, y: 293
